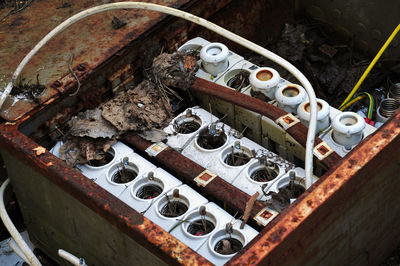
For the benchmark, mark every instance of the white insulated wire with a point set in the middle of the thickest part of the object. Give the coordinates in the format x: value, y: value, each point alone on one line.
x: 31, y: 259
x: 202, y: 22
x: 74, y: 260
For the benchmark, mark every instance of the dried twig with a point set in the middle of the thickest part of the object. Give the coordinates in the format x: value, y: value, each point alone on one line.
x: 73, y: 74
x: 249, y: 207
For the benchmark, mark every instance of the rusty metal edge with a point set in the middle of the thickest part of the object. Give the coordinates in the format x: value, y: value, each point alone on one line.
x: 279, y: 232
x: 117, y: 213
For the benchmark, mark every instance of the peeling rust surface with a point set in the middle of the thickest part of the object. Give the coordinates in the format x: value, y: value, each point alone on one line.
x: 298, y: 131
x: 185, y: 168
x: 99, y: 200
x: 94, y: 42
x: 289, y: 231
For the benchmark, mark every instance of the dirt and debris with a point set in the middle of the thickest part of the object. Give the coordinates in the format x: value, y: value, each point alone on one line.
x: 228, y: 246
x: 91, y: 124
x: 91, y: 133
x: 154, y: 135
x: 139, y: 109
x: 281, y: 200
x: 332, y: 66
x: 26, y: 89
x: 81, y: 150
x: 292, y: 43
x: 175, y: 70
x: 14, y: 5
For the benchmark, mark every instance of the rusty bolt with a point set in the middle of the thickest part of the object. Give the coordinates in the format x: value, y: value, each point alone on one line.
x: 81, y: 67
x: 175, y: 193
x: 57, y: 84
x: 202, y: 210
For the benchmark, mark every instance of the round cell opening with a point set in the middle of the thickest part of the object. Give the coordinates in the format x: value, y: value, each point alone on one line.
x: 209, y: 141
x: 149, y: 191
x: 239, y: 80
x: 187, y: 125
x: 200, y: 227
x: 124, y: 175
x: 264, y: 75
x: 307, y: 107
x: 108, y: 157
x: 237, y: 157
x: 228, y: 246
x: 213, y: 50
x: 173, y: 208
x: 348, y: 120
x: 294, y: 192
x: 265, y: 173
x: 290, y: 91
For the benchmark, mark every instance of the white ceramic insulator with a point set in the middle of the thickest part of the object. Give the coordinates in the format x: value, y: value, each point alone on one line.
x: 214, y: 58
x: 265, y: 80
x: 348, y: 129
x: 303, y: 111
x: 289, y: 96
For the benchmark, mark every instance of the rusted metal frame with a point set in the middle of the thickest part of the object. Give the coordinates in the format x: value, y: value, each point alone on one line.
x: 288, y: 232
x: 188, y: 170
x: 85, y: 66
x: 117, y: 213
x: 297, y: 131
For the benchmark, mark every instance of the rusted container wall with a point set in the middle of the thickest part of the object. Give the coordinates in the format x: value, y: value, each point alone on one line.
x: 349, y: 217
x: 55, y: 220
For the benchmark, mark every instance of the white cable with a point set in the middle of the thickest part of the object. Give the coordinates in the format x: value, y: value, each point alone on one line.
x: 71, y: 258
x: 16, y: 249
x: 202, y: 22
x: 31, y: 258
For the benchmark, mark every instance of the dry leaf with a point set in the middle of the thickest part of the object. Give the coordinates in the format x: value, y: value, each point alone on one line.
x: 91, y: 124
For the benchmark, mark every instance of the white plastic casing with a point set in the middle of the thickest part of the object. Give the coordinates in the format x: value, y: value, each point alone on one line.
x: 285, y: 179
x: 245, y: 183
x: 120, y: 151
x: 287, y: 100
x: 348, y: 128
x: 214, y: 58
x: 204, y: 156
x: 214, y: 214
x: 228, y: 172
x: 193, y: 44
x: 323, y: 121
x: 135, y: 162
x: 244, y: 235
x: 379, y: 117
x: 187, y: 195
x: 327, y: 135
x: 267, y: 86
x: 178, y: 141
x: 161, y: 178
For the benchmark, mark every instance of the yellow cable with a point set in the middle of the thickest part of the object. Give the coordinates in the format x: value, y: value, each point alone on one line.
x: 371, y: 65
x: 347, y: 105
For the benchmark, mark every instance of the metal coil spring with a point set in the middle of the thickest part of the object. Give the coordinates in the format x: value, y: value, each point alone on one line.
x: 388, y: 107
x: 395, y: 92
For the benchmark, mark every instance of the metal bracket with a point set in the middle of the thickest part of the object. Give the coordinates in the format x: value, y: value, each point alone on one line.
x: 287, y: 121
x: 204, y: 178
x: 322, y: 150
x: 265, y: 216
x: 156, y: 148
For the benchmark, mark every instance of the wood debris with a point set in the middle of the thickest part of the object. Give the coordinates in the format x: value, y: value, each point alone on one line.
x: 138, y: 109
x: 81, y: 150
x: 175, y: 70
